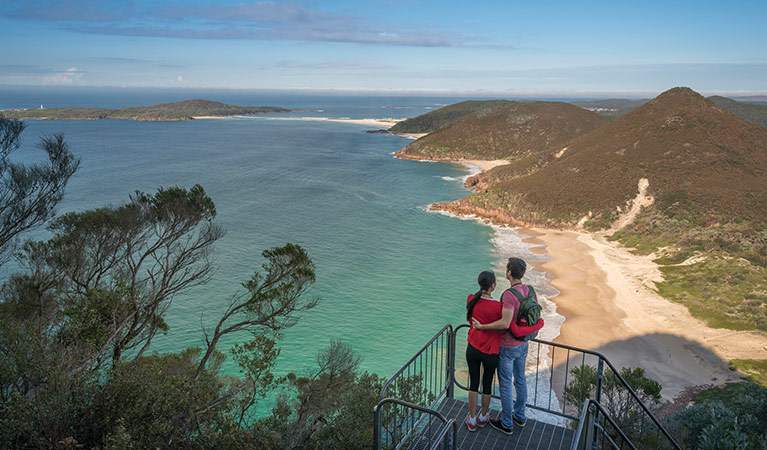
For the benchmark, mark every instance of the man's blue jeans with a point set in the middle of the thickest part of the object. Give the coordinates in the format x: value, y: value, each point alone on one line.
x: 512, y: 365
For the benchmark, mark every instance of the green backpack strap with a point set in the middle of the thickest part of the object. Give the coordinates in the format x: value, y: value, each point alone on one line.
x: 519, y: 295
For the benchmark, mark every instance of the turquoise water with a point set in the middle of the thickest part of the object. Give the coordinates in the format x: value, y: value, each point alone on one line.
x: 389, y: 273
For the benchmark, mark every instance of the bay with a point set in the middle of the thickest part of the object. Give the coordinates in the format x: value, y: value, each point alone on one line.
x: 389, y: 273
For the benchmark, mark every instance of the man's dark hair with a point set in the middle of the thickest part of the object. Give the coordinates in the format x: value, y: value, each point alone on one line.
x: 517, y: 267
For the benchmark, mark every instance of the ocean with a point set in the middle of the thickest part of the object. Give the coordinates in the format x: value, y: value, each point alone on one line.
x: 390, y: 273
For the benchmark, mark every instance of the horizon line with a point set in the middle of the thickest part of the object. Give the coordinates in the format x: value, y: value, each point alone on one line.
x: 517, y: 93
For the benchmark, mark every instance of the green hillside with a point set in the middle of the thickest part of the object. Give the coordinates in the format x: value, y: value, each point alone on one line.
x: 184, y: 110
x: 59, y: 113
x: 753, y: 112
x: 707, y: 173
x: 680, y: 141
x: 434, y: 120
x: 512, y: 131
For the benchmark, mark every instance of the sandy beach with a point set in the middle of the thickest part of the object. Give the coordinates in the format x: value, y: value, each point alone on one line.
x: 382, y: 123
x: 610, y: 305
x: 483, y: 165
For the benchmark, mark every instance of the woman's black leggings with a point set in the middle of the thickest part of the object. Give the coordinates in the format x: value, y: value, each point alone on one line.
x: 475, y: 358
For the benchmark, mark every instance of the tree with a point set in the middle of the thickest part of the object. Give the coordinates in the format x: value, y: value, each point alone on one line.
x: 75, y: 327
x: 29, y: 193
x: 329, y: 407
x: 102, y: 284
x: 622, y: 407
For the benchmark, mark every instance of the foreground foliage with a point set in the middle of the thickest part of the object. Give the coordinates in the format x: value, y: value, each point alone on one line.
x: 731, y: 417
x: 77, y: 323
x: 621, y: 406
x: 29, y: 192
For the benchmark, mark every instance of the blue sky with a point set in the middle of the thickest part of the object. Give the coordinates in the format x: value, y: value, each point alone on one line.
x: 517, y: 48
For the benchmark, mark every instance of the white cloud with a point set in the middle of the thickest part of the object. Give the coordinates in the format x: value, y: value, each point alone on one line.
x: 73, y: 75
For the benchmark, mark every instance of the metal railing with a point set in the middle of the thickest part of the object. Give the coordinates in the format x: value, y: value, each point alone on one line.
x: 424, y: 381
x: 592, y: 425
x: 422, y: 428
x: 561, y: 377
x: 562, y: 382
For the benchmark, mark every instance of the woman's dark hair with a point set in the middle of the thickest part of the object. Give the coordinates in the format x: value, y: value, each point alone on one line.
x: 517, y: 267
x: 485, y: 280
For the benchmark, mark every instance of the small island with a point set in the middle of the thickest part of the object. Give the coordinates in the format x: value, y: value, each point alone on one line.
x: 184, y: 110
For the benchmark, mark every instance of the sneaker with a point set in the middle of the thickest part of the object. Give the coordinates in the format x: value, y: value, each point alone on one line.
x: 496, y: 423
x: 517, y: 422
x: 481, y: 423
x: 469, y: 425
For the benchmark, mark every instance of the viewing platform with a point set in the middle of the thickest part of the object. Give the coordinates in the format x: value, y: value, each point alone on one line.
x: 535, y: 435
x: 423, y: 406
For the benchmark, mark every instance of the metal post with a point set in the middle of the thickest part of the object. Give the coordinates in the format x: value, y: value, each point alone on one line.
x: 591, y: 430
x: 600, y: 373
x: 451, y: 364
x: 376, y: 428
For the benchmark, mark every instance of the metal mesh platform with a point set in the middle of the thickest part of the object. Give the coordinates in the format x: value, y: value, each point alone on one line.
x: 534, y: 435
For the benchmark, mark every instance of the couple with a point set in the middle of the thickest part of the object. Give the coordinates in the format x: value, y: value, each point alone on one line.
x: 492, y: 345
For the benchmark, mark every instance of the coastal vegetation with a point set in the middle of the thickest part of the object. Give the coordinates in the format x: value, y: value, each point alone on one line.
x: 756, y: 371
x: 751, y: 111
x: 730, y: 417
x: 434, y: 120
x: 78, y: 320
x: 512, y: 131
x: 184, y: 110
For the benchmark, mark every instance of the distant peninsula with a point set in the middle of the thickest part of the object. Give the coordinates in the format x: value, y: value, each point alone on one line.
x: 184, y: 110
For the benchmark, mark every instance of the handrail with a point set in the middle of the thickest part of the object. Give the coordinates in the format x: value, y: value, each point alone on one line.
x: 423, y: 381
x: 433, y: 375
x: 385, y: 388
x: 581, y: 425
x: 623, y: 381
x: 447, y: 424
x: 585, y: 420
x: 451, y: 425
x: 601, y: 358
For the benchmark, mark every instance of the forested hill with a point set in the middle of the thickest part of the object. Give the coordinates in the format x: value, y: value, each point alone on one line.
x: 753, y: 112
x: 509, y: 130
x: 184, y: 110
x: 700, y: 175
x: 434, y: 120
x: 695, y: 155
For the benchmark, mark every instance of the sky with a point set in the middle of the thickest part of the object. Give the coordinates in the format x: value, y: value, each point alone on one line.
x: 568, y: 48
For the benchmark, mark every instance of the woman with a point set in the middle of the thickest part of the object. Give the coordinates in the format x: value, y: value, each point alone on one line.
x: 482, y: 348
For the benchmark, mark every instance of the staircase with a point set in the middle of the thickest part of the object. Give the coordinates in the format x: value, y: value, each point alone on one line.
x: 424, y: 404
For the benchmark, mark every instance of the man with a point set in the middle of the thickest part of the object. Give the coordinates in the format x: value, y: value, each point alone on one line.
x: 513, y: 353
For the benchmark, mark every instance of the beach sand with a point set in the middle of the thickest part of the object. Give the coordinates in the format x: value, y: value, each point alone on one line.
x: 482, y: 164
x: 382, y: 123
x: 610, y: 304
